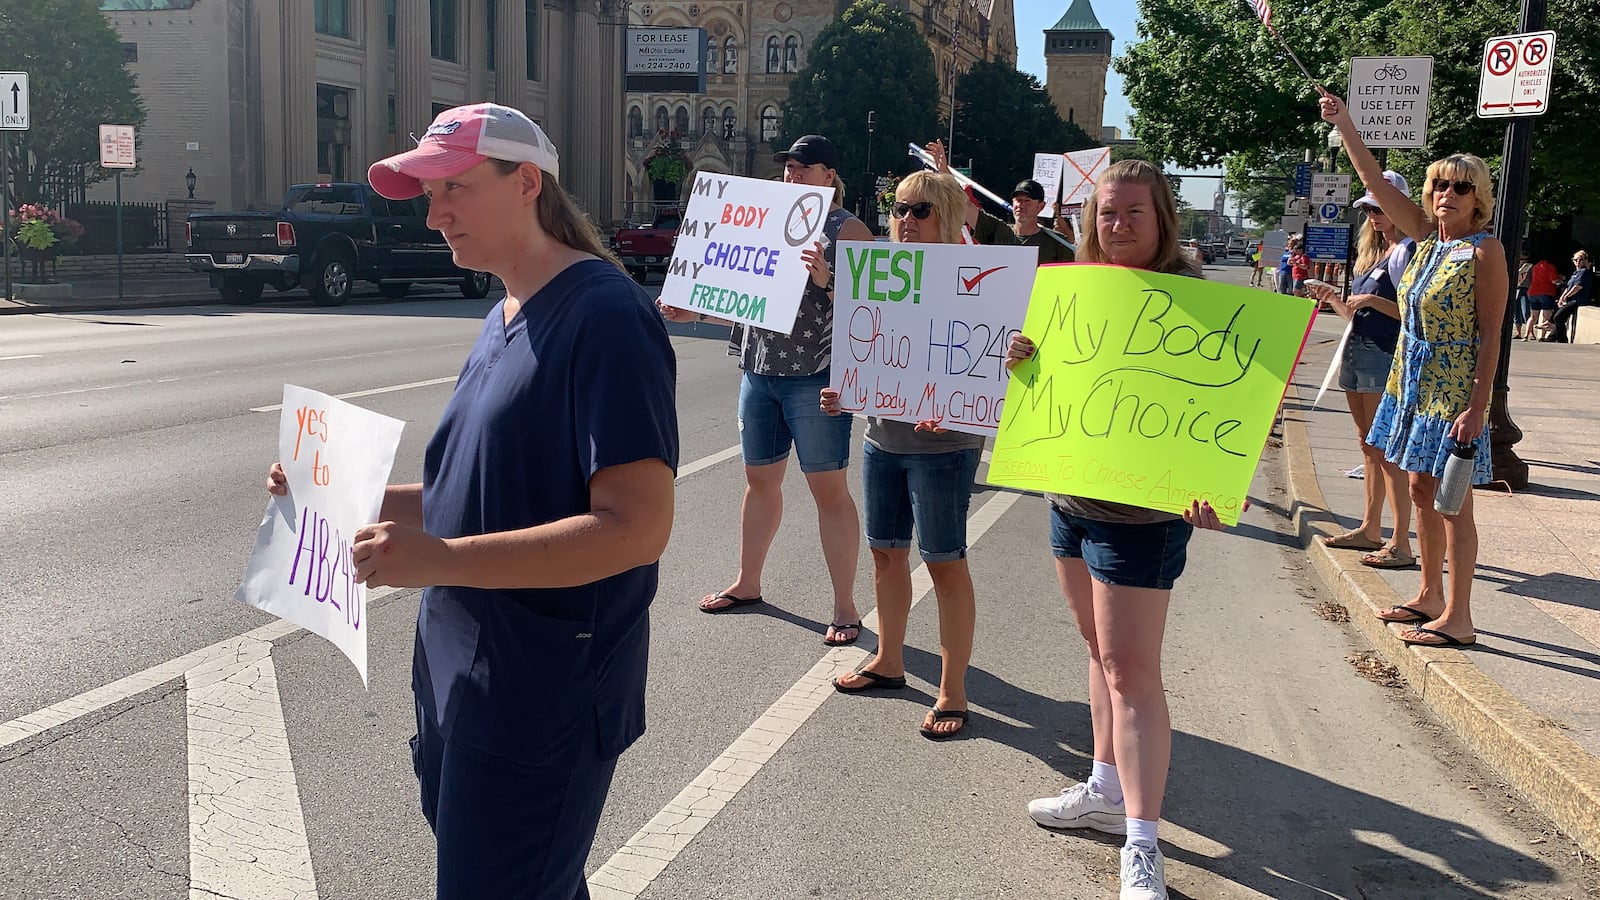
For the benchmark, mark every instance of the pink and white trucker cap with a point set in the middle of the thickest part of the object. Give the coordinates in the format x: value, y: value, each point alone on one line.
x: 459, y: 139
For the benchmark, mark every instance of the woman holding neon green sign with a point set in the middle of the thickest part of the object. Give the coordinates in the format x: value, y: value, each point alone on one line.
x: 1117, y: 565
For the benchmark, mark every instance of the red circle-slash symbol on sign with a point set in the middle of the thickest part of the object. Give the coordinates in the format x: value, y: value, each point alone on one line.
x: 1535, y: 51
x: 1502, y: 58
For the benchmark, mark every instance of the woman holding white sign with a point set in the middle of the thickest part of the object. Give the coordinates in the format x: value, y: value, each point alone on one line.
x: 1452, y: 305
x: 1117, y: 565
x: 919, y: 478
x: 777, y: 413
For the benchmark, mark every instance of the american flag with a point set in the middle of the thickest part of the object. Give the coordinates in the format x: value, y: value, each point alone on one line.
x: 1263, y: 9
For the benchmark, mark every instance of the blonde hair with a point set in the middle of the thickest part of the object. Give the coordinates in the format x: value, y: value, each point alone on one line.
x: 838, y: 191
x: 1371, y: 248
x: 561, y: 217
x: 1581, y: 257
x: 948, y: 200
x: 1171, y: 258
x: 1462, y: 167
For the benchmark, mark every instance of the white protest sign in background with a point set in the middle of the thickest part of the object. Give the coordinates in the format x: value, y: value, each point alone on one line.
x: 337, y: 458
x: 920, y: 330
x: 738, y: 252
x: 1082, y: 168
x: 1047, y: 171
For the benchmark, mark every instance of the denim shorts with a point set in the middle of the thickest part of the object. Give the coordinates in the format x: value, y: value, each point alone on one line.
x: 1543, y: 301
x: 1141, y: 556
x: 931, y: 491
x: 1365, y: 367
x: 777, y: 412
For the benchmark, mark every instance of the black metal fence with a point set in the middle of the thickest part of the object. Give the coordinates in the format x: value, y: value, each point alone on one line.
x: 144, y: 227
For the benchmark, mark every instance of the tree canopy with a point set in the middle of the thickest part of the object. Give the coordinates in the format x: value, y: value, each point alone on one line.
x: 1004, y: 117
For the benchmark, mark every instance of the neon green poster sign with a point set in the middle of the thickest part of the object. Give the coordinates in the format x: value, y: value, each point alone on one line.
x: 1146, y: 389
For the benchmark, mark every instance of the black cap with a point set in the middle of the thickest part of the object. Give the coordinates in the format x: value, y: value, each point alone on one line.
x: 1031, y: 188
x: 810, y: 150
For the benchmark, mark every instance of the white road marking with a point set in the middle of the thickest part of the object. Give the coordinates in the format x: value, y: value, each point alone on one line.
x: 24, y: 356
x: 707, y: 462
x: 383, y: 390
x: 631, y: 870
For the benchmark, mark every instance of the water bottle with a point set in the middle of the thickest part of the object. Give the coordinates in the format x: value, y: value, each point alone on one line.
x: 1457, y: 479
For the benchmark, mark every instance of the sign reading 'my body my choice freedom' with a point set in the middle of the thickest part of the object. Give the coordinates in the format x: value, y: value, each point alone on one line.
x: 920, y: 330
x: 1147, y: 389
x: 337, y: 458
x: 738, y: 251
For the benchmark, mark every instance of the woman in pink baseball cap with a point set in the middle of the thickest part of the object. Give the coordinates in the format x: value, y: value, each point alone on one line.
x: 546, y: 500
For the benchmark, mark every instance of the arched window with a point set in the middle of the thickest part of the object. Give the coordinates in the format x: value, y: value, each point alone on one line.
x: 680, y: 120
x: 663, y: 121
x: 635, y: 122
x: 791, y: 54
x: 713, y: 57
x: 730, y: 57
x: 774, y: 55
x: 708, y: 121
x: 729, y: 122
x: 769, y: 123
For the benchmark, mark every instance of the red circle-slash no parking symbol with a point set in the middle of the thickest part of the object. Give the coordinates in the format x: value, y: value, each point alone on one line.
x: 1501, y: 59
x: 1535, y: 51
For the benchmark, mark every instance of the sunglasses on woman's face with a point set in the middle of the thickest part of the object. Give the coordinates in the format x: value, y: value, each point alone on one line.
x: 1462, y: 188
x: 920, y: 210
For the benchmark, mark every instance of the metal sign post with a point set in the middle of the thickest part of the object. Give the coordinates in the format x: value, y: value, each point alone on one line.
x: 117, y: 151
x: 14, y: 116
x: 5, y: 204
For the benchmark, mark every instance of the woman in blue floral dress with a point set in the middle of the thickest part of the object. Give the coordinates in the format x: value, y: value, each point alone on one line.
x: 1452, y: 302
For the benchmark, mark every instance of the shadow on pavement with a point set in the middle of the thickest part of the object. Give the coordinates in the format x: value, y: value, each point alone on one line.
x: 1543, y: 657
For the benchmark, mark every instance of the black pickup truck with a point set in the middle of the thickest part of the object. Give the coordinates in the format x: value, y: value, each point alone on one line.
x: 325, y: 238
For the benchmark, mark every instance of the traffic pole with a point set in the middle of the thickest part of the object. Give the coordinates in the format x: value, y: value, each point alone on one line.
x: 119, y: 234
x: 5, y: 203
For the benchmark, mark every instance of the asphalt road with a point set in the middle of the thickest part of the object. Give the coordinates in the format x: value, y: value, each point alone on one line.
x: 131, y: 464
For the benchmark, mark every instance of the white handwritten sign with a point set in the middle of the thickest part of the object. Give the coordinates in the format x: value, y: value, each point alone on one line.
x: 738, y: 252
x: 337, y: 457
x: 920, y: 331
x: 1047, y: 171
x: 1078, y: 177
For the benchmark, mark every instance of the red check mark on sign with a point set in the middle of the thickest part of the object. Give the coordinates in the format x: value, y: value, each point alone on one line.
x: 969, y: 285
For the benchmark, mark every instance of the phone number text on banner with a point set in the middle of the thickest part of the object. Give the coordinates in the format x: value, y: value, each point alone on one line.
x: 920, y: 330
x: 1147, y: 389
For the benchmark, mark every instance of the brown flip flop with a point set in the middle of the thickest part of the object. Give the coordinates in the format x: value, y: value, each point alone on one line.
x: 1387, y: 558
x: 1352, y: 540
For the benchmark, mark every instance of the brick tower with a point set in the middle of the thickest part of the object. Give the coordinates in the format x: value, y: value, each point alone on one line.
x: 1077, y: 54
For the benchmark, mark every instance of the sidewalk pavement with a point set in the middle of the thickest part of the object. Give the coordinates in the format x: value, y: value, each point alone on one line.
x: 100, y: 295
x: 1526, y: 698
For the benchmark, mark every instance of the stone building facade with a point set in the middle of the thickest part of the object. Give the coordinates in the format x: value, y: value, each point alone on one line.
x: 254, y: 95
x: 755, y: 48
x: 1077, y: 56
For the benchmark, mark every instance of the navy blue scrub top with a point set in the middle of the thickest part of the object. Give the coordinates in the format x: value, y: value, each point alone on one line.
x: 1383, y: 281
x: 583, y: 378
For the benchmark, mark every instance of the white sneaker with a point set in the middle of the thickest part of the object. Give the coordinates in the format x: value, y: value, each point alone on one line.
x: 1080, y: 807
x: 1144, y: 873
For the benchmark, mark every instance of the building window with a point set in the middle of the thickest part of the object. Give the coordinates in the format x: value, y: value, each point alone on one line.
x: 532, y: 15
x: 730, y: 57
x: 442, y: 19
x: 332, y: 17
x: 729, y: 121
x: 708, y: 121
x: 333, y: 132
x: 769, y: 124
x: 680, y: 120
x: 130, y: 52
x: 791, y: 54
x: 713, y: 57
x: 635, y: 122
x: 391, y: 7
x: 774, y: 55
x: 663, y: 122
x: 490, y: 27
x: 392, y: 137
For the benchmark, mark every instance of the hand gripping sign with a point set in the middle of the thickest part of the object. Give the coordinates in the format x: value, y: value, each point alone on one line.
x: 1146, y: 389
x: 738, y: 253
x: 337, y: 457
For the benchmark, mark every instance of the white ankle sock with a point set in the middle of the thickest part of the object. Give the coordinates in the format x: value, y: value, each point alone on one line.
x: 1142, y: 831
x: 1103, y: 780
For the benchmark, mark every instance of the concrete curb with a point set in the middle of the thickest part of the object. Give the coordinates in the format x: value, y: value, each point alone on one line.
x: 109, y: 305
x: 1558, y: 776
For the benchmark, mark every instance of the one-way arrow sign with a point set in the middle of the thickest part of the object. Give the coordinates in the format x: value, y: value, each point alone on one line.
x: 13, y: 101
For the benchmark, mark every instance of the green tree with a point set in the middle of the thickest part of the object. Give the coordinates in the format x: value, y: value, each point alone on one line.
x: 1005, y: 117
x: 1207, y: 82
x: 847, y: 76
x: 76, y: 83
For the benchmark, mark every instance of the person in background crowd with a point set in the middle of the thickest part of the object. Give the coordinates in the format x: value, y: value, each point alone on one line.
x: 778, y: 412
x: 1299, y: 268
x: 1374, y: 315
x: 1452, y: 309
x: 1520, y: 310
x: 1258, y: 265
x: 1285, y: 271
x: 1579, y: 293
x: 1544, y: 284
x: 1027, y: 202
x: 919, y: 478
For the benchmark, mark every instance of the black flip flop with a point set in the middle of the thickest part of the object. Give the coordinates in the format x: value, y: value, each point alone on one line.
x: 837, y: 627
x: 940, y: 715
x: 1445, y: 640
x: 734, y: 602
x: 875, y: 682
x: 1415, y: 615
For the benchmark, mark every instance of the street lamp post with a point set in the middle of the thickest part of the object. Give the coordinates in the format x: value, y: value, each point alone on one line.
x: 189, y: 180
x: 871, y: 190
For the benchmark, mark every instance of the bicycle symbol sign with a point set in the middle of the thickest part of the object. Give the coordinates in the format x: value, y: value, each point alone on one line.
x: 1502, y: 58
x: 1390, y: 72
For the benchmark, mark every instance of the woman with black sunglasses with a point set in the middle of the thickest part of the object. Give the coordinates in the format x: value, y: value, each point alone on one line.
x: 1452, y: 301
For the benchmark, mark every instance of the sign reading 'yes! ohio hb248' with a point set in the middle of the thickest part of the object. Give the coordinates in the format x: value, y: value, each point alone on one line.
x: 920, y: 330
x: 1146, y: 389
x: 738, y: 251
